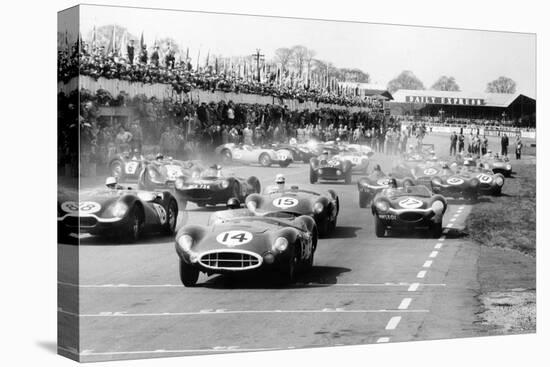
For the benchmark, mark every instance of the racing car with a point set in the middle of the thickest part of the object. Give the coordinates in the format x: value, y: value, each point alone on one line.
x: 127, y: 167
x: 489, y: 183
x: 214, y: 187
x: 459, y: 184
x: 122, y: 212
x: 250, y: 154
x: 359, y: 160
x: 300, y: 152
x: 330, y: 168
x: 498, y: 164
x: 161, y: 174
x: 241, y: 241
x: 322, y: 207
x: 410, y: 207
x: 372, y: 184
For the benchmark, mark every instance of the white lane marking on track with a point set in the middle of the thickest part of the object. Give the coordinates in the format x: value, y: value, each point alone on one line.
x: 450, y: 225
x: 461, y: 207
x: 298, y: 285
x: 438, y: 245
x: 392, y: 324
x: 434, y: 254
x: 413, y: 287
x: 405, y: 303
x: 427, y: 264
x: 442, y: 238
x: 239, y: 312
x: 421, y: 274
x: 456, y: 215
x: 383, y: 339
x: 452, y: 219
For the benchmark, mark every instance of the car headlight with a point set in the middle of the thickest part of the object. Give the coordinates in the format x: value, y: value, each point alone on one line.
x: 318, y: 207
x: 508, y: 166
x: 179, y: 183
x: 280, y: 244
x: 474, y: 182
x: 251, y: 205
x: 119, y: 209
x: 499, y: 180
x: 382, y: 206
x: 225, y: 184
x: 437, y: 206
x: 338, y: 172
x: 185, y: 242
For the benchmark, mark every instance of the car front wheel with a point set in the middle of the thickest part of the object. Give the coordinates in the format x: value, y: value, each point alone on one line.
x: 379, y: 227
x: 188, y: 274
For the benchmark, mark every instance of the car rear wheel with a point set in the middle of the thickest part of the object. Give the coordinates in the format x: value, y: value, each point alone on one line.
x: 265, y: 160
x: 284, y: 164
x: 312, y: 176
x: 379, y: 227
x: 171, y: 217
x: 188, y: 274
x: 135, y: 224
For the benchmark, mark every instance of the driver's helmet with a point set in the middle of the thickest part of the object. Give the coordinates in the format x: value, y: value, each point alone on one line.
x: 392, y: 183
x: 280, y: 179
x: 111, y: 182
x: 469, y: 163
x: 159, y: 157
x: 445, y: 166
x: 233, y: 203
x: 377, y: 168
x: 293, y: 141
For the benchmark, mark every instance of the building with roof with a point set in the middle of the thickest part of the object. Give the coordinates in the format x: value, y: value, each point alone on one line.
x: 516, y: 108
x: 367, y: 89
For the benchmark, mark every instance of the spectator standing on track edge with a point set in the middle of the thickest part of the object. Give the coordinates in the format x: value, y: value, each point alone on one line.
x: 454, y: 139
x: 504, y: 145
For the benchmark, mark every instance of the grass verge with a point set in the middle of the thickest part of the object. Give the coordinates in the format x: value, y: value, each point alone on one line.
x: 508, y: 221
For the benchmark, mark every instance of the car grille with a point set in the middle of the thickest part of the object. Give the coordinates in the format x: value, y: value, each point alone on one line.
x: 198, y: 193
x: 232, y: 260
x: 410, y: 216
x: 85, y: 222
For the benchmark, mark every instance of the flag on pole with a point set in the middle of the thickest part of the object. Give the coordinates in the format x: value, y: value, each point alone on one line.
x: 94, y: 38
x: 112, y: 43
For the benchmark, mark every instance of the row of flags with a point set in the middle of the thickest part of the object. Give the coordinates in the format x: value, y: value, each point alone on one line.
x: 238, y: 67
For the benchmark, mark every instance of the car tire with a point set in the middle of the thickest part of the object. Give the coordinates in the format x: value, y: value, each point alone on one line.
x: 135, y: 220
x: 171, y: 217
x: 226, y: 156
x: 436, y: 229
x: 188, y: 274
x: 288, y: 270
x: 264, y: 160
x: 284, y: 164
x: 363, y: 199
x: 115, y: 168
x: 312, y: 176
x: 324, y: 227
x: 379, y: 227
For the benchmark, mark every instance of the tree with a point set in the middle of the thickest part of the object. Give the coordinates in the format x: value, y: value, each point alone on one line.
x: 501, y: 85
x: 354, y: 75
x: 283, y: 56
x: 405, y: 80
x: 299, y: 56
x: 446, y: 83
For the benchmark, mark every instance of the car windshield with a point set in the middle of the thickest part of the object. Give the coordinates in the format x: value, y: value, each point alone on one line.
x: 211, y: 173
x: 422, y: 191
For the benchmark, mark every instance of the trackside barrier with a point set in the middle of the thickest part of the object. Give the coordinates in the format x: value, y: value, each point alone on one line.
x: 162, y: 91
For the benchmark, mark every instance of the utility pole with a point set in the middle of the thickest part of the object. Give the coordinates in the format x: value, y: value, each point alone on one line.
x: 258, y: 56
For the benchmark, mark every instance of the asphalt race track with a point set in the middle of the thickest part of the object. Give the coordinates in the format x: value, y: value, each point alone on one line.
x: 362, y: 289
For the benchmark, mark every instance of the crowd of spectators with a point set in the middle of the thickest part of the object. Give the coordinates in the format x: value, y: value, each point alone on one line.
x: 186, y: 129
x: 183, y: 76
